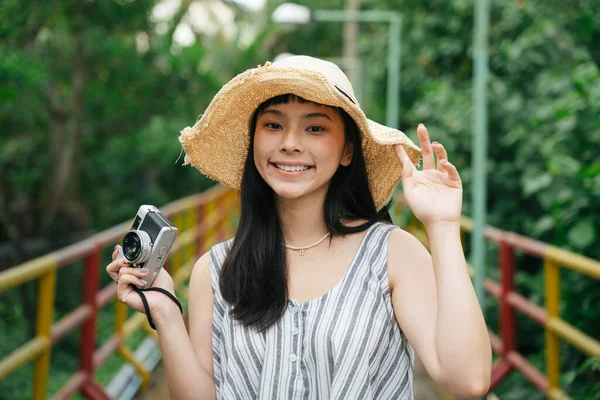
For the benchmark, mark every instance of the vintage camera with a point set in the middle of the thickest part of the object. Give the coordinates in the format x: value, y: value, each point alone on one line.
x: 148, y: 242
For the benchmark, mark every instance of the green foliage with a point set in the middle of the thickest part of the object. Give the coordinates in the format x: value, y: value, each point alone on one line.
x: 93, y: 96
x: 543, y: 165
x: 101, y: 89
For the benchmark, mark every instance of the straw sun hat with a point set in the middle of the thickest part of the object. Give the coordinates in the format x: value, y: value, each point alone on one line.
x: 218, y: 143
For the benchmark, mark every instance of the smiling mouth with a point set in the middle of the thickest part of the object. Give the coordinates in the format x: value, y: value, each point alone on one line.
x: 292, y: 168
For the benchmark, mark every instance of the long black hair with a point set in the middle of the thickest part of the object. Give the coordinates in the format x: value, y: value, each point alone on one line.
x: 254, y: 274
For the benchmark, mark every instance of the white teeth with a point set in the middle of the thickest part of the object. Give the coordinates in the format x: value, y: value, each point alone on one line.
x: 292, y: 168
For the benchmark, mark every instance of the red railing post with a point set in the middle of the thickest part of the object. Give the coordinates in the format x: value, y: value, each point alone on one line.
x: 92, y: 390
x: 507, y: 314
x: 91, y: 281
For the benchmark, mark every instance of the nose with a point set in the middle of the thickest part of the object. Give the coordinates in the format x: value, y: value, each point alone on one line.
x: 291, y: 141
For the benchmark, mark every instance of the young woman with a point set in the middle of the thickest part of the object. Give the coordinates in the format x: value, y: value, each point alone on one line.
x: 319, y: 295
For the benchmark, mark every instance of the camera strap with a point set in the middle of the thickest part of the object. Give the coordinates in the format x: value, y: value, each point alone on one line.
x: 147, y: 308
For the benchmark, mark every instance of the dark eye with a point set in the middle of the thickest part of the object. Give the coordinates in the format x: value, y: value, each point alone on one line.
x: 315, y: 129
x: 272, y: 125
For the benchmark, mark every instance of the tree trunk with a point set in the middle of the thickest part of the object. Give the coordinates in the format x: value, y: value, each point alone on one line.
x: 65, y: 149
x: 66, y: 133
x: 16, y: 241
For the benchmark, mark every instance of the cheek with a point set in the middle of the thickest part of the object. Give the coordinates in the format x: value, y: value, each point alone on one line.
x: 328, y: 153
x: 261, y: 149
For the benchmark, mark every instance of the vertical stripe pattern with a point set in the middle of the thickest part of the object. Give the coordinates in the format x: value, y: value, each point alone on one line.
x: 345, y: 344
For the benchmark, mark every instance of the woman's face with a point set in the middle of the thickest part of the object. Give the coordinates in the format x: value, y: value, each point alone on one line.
x: 298, y: 147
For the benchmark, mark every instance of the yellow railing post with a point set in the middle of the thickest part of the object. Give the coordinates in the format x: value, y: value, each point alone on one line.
x: 190, y: 223
x: 211, y: 218
x: 139, y: 367
x: 176, y: 263
x: 232, y: 212
x: 120, y: 317
x: 222, y: 209
x: 200, y: 220
x: 552, y: 282
x: 123, y: 351
x: 45, y: 309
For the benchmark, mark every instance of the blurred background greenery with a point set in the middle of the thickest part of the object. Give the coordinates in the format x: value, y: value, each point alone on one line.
x: 93, y: 95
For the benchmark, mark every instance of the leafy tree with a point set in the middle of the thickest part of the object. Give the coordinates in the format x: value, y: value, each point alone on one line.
x: 543, y: 165
x: 92, y: 98
x: 93, y: 95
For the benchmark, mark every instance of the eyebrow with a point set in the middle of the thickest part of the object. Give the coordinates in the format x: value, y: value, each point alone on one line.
x: 305, y: 116
x: 317, y: 114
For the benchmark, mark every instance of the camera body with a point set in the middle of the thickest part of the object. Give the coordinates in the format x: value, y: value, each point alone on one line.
x: 148, y: 242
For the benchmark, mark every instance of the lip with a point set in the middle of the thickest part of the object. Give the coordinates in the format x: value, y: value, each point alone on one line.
x: 299, y: 164
x: 291, y: 173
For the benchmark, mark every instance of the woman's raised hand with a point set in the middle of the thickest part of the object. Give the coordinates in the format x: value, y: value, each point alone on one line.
x: 125, y: 275
x: 434, y: 194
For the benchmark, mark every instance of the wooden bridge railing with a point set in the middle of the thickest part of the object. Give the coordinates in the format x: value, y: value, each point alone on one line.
x: 206, y: 219
x: 202, y: 220
x: 510, y: 301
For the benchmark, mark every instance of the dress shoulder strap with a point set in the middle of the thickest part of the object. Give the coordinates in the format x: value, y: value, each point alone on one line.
x: 218, y: 253
x: 379, y: 261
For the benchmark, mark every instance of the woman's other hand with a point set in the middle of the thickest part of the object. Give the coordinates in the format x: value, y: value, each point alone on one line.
x: 434, y: 194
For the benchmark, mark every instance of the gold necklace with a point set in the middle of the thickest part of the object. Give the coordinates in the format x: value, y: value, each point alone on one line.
x: 304, y: 248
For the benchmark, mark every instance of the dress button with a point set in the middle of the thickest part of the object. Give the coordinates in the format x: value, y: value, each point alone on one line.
x: 294, y: 309
x: 295, y: 331
x: 293, y: 358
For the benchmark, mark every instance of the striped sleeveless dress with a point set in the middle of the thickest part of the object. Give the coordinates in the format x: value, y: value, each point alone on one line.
x: 345, y: 344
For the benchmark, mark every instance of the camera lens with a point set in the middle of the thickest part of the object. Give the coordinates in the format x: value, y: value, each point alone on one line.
x: 131, y: 246
x: 136, y: 246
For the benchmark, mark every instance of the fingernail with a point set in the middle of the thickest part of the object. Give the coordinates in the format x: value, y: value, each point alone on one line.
x: 144, y: 270
x: 421, y: 124
x: 434, y: 142
x: 116, y: 246
x: 143, y: 282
